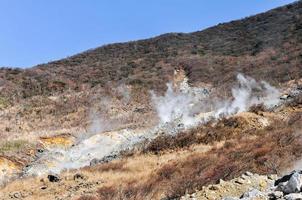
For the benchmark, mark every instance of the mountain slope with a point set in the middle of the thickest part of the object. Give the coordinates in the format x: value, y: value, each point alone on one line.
x: 265, y: 45
x: 88, y: 126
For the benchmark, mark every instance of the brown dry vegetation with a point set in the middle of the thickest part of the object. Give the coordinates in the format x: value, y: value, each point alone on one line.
x: 60, y: 94
x: 225, y: 129
x: 266, y: 46
x: 273, y: 149
x: 58, y: 97
x: 185, y: 162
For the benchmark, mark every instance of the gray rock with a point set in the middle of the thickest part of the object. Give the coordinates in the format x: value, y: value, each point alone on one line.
x: 275, y: 195
x: 248, y: 173
x: 283, y: 179
x: 293, y: 196
x: 294, y: 184
x: 230, y: 198
x: 253, y: 193
x: 281, y: 186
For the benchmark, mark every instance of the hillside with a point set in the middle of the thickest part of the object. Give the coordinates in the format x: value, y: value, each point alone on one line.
x: 266, y: 45
x: 162, y: 118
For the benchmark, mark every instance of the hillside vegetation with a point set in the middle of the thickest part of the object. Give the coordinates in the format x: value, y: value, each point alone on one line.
x: 101, y: 124
x: 266, y: 45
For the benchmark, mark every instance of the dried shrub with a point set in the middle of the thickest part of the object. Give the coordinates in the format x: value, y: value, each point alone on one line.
x: 107, y: 192
x: 278, y: 148
x: 110, y: 166
x: 87, y: 198
x: 257, y: 109
x: 296, y: 101
x: 294, y: 118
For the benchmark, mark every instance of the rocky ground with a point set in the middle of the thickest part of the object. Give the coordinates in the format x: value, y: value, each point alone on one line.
x: 251, y: 186
x: 244, y: 186
x: 112, y: 159
x: 117, y: 122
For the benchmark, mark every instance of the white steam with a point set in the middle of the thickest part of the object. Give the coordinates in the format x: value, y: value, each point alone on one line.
x: 182, y: 105
x: 248, y: 93
x: 178, y: 105
x: 172, y: 105
x: 100, y: 123
x: 177, y: 109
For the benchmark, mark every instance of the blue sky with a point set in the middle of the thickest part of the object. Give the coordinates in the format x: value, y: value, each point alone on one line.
x: 39, y: 31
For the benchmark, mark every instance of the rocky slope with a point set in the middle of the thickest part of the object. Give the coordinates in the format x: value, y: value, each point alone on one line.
x: 251, y: 186
x: 267, y: 45
x: 166, y: 165
x: 58, y: 97
x: 104, y: 124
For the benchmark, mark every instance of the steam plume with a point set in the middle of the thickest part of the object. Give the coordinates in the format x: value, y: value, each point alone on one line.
x: 183, y: 105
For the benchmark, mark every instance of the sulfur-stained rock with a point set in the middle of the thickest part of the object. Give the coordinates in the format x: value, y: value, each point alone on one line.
x: 9, y: 168
x: 61, y: 141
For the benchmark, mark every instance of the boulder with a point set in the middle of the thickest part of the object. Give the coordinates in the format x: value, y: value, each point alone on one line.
x: 294, y: 184
x: 281, y: 186
x: 283, y: 179
x: 275, y: 195
x: 53, y: 178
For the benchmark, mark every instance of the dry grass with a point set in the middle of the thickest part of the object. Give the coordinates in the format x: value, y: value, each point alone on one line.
x: 225, y: 129
x: 172, y: 172
x: 279, y: 147
x: 172, y: 166
x: 35, y: 100
x: 87, y: 198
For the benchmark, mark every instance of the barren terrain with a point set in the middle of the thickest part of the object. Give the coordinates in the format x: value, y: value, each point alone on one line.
x: 161, y: 118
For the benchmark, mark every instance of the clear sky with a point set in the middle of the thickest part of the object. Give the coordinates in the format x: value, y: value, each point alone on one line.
x: 39, y: 31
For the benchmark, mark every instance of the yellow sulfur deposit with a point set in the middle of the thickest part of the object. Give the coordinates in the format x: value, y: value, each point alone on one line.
x: 63, y: 140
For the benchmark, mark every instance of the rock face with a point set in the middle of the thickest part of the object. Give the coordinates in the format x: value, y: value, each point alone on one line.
x: 98, y: 148
x: 179, y: 78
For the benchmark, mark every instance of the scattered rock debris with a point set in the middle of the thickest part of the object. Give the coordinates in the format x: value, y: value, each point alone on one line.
x: 106, y: 159
x: 253, y: 187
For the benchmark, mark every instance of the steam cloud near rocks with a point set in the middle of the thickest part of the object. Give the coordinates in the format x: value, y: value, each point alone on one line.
x: 184, y: 104
x: 189, y: 106
x: 99, y: 121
